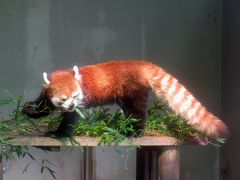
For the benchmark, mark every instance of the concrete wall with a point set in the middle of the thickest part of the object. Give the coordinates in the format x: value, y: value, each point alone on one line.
x: 184, y: 37
x: 231, y: 88
x: 66, y: 164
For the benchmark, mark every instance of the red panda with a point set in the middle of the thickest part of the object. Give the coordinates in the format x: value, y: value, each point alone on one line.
x: 127, y: 84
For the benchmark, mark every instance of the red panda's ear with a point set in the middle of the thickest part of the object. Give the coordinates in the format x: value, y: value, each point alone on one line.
x: 45, y: 78
x: 76, y: 73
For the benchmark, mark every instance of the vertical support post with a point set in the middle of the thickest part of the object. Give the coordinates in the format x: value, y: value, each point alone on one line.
x: 143, y: 164
x: 168, y: 163
x: 158, y: 163
x: 89, y: 164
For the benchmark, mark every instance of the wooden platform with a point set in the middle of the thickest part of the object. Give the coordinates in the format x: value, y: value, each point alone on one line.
x: 93, y: 141
x: 158, y: 157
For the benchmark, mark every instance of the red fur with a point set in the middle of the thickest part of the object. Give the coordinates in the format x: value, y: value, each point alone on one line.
x: 108, y: 82
x: 62, y: 82
x: 127, y: 83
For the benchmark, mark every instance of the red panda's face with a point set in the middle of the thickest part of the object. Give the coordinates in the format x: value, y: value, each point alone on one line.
x: 64, y: 91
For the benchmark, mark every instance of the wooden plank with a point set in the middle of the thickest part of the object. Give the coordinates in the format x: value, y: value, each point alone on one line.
x: 91, y: 141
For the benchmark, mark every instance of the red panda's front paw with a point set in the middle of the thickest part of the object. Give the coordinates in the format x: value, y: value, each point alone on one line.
x: 33, y: 111
x: 28, y: 109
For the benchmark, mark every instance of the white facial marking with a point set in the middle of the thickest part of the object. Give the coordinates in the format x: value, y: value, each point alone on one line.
x: 63, y: 97
x: 55, y: 101
x: 70, y: 103
x: 78, y: 95
x: 45, y: 78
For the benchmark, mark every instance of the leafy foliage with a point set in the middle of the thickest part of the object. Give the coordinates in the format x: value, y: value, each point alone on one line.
x: 98, y: 122
x: 162, y: 120
x: 17, y: 123
x: 109, y: 127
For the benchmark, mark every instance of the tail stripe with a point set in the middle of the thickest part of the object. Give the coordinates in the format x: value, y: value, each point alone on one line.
x: 202, y: 112
x: 193, y: 110
x: 164, y: 82
x: 187, y: 104
x: 172, y: 88
x: 183, y: 102
x: 198, y: 116
x: 179, y: 96
x: 195, y: 121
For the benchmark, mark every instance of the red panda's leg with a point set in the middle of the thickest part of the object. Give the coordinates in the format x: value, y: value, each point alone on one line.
x: 38, y: 108
x: 69, y: 119
x: 137, y: 108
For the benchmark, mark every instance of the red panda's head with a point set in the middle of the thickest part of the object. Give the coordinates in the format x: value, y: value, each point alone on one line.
x: 63, y: 89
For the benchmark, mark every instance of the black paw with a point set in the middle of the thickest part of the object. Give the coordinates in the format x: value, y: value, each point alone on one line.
x: 32, y: 110
x: 29, y: 109
x: 62, y: 134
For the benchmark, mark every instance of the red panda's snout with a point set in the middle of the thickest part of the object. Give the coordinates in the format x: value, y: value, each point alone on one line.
x: 67, y: 101
x: 66, y: 104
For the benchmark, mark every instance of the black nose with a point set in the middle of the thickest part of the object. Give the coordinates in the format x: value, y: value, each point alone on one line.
x: 60, y: 103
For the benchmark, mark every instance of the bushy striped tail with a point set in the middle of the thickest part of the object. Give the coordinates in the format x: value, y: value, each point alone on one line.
x: 182, y: 102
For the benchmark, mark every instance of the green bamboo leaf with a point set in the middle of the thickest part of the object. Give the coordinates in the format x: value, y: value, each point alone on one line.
x: 82, y: 116
x: 8, y: 93
x: 26, y: 167
x: 42, y: 169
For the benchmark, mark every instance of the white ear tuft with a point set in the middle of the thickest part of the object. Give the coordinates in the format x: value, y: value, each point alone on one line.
x: 45, y: 78
x: 76, y: 73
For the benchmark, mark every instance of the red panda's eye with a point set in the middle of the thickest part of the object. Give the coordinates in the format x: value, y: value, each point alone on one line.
x: 63, y: 99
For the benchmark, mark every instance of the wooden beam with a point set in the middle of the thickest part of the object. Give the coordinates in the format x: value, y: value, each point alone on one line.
x: 91, y: 141
x: 156, y: 159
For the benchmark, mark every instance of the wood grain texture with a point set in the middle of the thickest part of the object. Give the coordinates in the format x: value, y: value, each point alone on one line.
x: 93, y: 141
